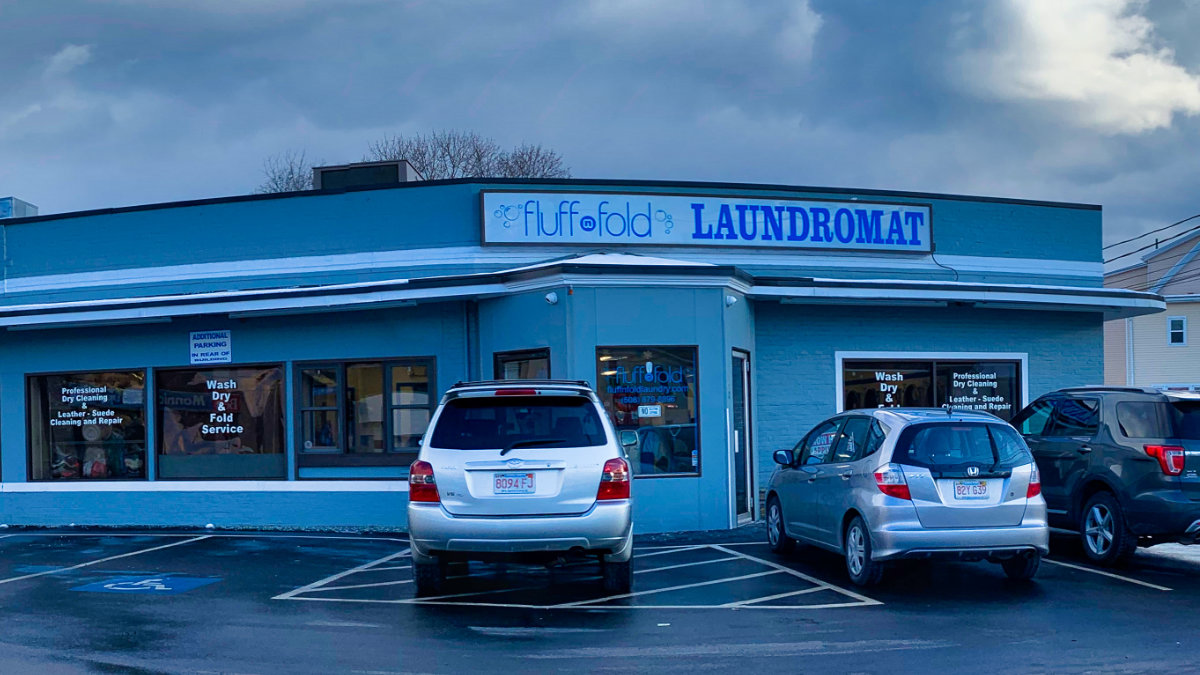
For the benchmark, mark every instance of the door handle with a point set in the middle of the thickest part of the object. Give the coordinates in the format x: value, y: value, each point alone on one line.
x: 1084, y: 449
x: 846, y: 475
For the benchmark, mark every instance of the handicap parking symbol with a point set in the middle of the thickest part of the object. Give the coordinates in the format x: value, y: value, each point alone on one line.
x: 157, y: 585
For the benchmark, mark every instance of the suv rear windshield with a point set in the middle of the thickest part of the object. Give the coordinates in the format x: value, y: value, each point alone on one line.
x: 1157, y: 419
x: 947, y: 446
x: 497, y: 422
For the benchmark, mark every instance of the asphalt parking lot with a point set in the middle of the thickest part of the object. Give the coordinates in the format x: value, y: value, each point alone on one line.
x: 128, y: 602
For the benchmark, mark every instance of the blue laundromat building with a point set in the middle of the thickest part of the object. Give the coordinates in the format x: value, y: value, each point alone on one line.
x: 273, y: 360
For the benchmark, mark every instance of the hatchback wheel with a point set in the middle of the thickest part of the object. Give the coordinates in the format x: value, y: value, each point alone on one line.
x: 429, y: 578
x: 776, y: 536
x: 1106, y: 538
x: 1022, y: 567
x: 862, y: 570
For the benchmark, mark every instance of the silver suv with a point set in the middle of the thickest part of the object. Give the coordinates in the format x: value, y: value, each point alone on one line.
x: 524, y: 469
x: 888, y: 484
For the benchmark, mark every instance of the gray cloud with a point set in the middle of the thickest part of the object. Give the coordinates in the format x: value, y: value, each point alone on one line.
x: 134, y: 102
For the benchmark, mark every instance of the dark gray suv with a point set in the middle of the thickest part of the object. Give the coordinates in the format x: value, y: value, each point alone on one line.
x: 1119, y: 465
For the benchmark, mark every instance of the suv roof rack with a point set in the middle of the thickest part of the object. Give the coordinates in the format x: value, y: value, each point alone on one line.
x: 1113, y: 387
x: 517, y: 383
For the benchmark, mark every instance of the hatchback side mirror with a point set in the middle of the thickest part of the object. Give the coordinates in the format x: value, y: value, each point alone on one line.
x: 629, y: 438
x: 784, y: 458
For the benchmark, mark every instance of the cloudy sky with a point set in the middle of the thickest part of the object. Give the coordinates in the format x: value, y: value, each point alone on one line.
x: 131, y: 101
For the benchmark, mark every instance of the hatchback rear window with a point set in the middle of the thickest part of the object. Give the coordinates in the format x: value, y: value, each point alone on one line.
x: 949, y: 446
x: 484, y: 423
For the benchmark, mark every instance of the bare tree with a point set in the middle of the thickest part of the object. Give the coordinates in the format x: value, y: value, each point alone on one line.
x: 289, y: 171
x: 466, y: 154
x: 533, y: 161
x: 438, y: 154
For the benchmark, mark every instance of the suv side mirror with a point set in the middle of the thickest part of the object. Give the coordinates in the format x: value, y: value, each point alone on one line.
x: 629, y: 438
x: 784, y: 458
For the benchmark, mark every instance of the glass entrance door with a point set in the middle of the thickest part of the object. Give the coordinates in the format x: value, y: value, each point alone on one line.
x: 743, y: 470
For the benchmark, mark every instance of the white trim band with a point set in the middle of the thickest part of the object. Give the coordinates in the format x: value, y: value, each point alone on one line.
x: 307, y: 485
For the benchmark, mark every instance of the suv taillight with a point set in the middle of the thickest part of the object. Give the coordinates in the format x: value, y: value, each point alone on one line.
x: 1035, y: 483
x: 1170, y: 458
x: 421, y: 485
x: 891, y: 481
x: 614, y: 482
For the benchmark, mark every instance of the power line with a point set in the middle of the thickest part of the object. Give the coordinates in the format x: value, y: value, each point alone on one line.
x: 1147, y: 234
x: 1154, y: 245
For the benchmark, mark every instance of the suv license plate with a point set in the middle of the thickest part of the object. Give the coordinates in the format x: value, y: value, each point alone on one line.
x: 512, y: 483
x: 970, y: 489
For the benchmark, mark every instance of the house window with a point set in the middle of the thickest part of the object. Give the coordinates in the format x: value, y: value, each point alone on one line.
x: 523, y: 365
x: 221, y: 423
x: 364, y: 413
x: 1177, y: 330
x: 87, y: 425
x: 652, y: 391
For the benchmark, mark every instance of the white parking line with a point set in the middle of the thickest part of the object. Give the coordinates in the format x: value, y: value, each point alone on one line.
x: 740, y: 603
x: 1108, y: 574
x: 665, y: 590
x: 371, y: 585
x: 339, y: 575
x: 813, y: 580
x: 97, y: 562
x: 691, y: 564
x: 675, y: 549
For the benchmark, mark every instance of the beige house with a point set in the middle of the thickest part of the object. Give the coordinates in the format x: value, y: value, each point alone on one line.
x: 1155, y: 350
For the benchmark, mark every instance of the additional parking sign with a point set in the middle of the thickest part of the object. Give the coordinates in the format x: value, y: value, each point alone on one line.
x: 159, y: 585
x: 212, y: 346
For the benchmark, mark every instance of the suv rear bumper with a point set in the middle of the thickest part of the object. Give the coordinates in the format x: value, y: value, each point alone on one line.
x: 1164, y: 512
x: 605, y: 528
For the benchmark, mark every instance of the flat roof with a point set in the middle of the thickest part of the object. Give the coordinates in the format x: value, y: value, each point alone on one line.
x: 558, y: 183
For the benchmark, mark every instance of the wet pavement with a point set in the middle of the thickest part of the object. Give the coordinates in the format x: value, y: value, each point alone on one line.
x: 108, y: 602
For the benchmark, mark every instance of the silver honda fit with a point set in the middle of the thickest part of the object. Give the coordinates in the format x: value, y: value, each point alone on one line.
x: 525, y: 469
x: 897, y: 483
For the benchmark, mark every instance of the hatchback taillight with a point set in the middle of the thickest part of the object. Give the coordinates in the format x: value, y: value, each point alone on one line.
x: 614, y: 481
x: 891, y: 482
x: 1035, y: 483
x: 1170, y: 458
x: 421, y: 485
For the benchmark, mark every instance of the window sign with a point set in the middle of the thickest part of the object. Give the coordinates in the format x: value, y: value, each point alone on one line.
x: 87, y: 426
x: 221, y: 423
x: 694, y: 220
x: 652, y: 390
x: 211, y: 346
x: 987, y: 386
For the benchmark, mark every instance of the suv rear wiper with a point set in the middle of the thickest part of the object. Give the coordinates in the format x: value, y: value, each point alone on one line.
x: 530, y: 442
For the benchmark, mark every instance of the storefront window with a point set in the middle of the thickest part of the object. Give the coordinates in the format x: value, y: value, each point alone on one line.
x: 522, y: 365
x: 988, y: 386
x: 346, y: 417
x: 87, y: 426
x: 652, y: 390
x: 221, y: 423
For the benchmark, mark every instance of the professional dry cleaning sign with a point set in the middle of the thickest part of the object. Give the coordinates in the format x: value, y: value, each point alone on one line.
x: 693, y: 220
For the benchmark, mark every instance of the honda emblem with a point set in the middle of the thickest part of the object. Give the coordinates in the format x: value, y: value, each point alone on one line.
x: 972, y: 471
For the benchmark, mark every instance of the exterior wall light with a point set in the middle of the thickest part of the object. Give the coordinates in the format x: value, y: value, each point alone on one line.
x: 552, y: 298
x: 730, y: 300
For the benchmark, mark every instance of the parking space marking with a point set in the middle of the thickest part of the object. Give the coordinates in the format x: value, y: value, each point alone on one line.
x: 690, y: 564
x: 101, y: 560
x: 663, y: 590
x: 1102, y: 573
x: 812, y: 580
x: 334, y: 577
x: 315, y: 591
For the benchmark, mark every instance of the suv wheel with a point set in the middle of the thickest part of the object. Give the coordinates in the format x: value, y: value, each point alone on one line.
x: 862, y: 570
x: 618, y: 577
x: 429, y: 577
x: 1106, y: 538
x: 777, y: 538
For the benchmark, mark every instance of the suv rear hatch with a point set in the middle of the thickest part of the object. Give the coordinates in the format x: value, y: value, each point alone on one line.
x: 518, y: 452
x: 965, y: 474
x: 1163, y: 430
